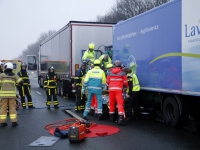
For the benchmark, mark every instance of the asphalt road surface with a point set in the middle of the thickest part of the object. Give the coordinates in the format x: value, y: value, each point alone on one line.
x: 143, y: 134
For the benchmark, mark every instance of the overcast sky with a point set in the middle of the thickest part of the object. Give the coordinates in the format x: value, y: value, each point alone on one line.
x: 22, y: 21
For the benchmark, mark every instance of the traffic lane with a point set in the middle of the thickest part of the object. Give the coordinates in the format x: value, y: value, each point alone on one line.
x: 142, y: 134
x: 155, y: 135
x: 39, y: 96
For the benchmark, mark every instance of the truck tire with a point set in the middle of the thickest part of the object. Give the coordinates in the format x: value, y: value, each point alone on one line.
x: 171, y: 112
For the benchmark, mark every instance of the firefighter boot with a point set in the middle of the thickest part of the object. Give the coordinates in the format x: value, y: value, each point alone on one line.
x: 100, y: 117
x: 92, y: 112
x: 4, y: 124
x: 112, y: 118
x: 14, y: 124
x: 31, y: 107
x: 56, y: 106
x: 85, y: 118
x: 122, y: 121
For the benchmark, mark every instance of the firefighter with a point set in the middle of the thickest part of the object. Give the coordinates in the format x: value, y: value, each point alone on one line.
x: 116, y: 81
x: 26, y: 88
x: 95, y: 81
x: 89, y: 55
x: 1, y: 67
x: 132, y: 93
x: 80, y: 104
x: 51, y: 87
x: 104, y: 60
x: 8, y: 81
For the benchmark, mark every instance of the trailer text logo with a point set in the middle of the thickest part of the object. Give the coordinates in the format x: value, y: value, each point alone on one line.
x: 141, y: 31
x: 192, y: 32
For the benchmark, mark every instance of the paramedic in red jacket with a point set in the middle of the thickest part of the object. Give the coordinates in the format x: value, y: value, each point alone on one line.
x: 117, y: 80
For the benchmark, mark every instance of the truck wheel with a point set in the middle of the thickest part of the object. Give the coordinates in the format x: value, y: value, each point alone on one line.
x: 171, y: 112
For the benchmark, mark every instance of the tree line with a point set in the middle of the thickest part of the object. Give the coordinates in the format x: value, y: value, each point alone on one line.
x: 122, y: 10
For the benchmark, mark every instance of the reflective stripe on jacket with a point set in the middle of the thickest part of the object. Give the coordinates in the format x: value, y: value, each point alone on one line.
x: 90, y: 55
x: 25, y: 77
x: 105, y: 63
x: 51, y: 81
x: 116, y: 79
x: 95, y: 80
x: 133, y: 83
x: 8, y: 85
x: 78, y: 77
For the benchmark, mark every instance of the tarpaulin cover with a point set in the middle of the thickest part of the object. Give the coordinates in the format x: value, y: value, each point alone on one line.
x: 96, y: 130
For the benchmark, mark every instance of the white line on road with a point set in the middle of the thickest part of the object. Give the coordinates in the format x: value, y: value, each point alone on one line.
x: 38, y: 93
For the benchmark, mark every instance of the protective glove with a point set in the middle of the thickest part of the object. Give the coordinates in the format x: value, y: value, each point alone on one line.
x: 87, y: 59
x: 127, y: 96
x: 83, y: 91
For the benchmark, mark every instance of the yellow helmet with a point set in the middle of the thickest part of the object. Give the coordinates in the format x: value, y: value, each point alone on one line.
x: 91, y: 46
x: 109, y: 66
x: 97, y: 62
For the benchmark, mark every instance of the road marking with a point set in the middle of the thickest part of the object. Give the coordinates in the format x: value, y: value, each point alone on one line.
x: 38, y: 93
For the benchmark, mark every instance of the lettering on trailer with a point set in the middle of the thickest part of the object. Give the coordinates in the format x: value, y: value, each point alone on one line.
x: 142, y: 31
x: 192, y: 31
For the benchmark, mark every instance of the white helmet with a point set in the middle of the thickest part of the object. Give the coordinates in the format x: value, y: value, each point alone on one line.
x: 8, y: 65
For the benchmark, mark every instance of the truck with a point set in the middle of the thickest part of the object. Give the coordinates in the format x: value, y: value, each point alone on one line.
x: 163, y: 50
x: 65, y: 48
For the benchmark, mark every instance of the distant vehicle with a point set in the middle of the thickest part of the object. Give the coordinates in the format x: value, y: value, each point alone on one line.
x: 164, y: 51
x: 16, y: 65
x: 64, y: 50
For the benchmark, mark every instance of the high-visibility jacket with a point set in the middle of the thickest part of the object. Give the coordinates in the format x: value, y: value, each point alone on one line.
x: 116, y: 79
x: 78, y: 77
x: 101, y: 58
x: 133, y: 83
x: 90, y: 55
x: 95, y: 80
x: 8, y: 85
x: 51, y: 81
x: 23, y: 74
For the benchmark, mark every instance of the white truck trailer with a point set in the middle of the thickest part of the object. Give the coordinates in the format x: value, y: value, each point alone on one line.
x: 65, y: 48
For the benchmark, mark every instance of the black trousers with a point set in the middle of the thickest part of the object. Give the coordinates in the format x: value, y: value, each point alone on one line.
x: 25, y: 91
x: 132, y: 104
x: 51, y: 92
x: 80, y: 99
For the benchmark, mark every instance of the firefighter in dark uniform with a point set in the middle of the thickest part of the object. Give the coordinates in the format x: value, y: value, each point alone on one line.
x: 25, y: 88
x: 80, y: 103
x: 51, y: 87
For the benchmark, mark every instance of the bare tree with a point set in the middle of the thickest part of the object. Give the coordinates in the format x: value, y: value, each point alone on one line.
x: 125, y: 9
x: 33, y: 49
